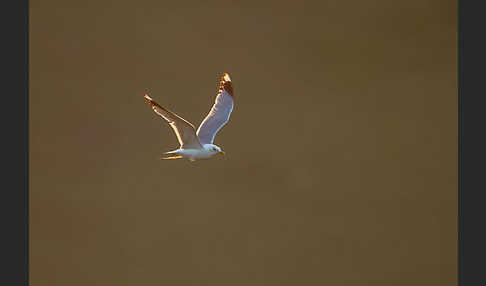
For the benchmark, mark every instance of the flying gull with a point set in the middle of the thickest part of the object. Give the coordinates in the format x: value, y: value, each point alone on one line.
x: 195, y: 145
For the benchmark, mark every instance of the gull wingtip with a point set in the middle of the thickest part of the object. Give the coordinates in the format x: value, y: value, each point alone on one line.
x: 226, y: 77
x: 226, y: 84
x: 147, y: 98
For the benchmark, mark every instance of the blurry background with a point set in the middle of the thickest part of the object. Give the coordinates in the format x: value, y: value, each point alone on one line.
x: 341, y: 149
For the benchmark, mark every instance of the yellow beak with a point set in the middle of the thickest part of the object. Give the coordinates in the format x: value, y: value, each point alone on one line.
x: 222, y: 153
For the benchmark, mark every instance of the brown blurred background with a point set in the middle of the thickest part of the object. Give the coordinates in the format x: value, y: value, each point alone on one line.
x: 341, y: 149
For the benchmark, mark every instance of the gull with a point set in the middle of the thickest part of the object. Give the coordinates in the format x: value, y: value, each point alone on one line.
x: 196, y: 145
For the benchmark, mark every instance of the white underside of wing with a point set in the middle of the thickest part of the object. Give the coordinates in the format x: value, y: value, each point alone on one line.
x: 185, y: 132
x: 219, y: 114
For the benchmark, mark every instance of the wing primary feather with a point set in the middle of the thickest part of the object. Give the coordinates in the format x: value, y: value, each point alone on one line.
x: 226, y: 84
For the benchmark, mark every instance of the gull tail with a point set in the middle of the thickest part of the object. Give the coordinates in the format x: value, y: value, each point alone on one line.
x: 171, y: 155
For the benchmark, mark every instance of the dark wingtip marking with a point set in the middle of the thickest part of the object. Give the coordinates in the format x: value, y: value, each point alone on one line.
x: 152, y: 103
x: 226, y: 84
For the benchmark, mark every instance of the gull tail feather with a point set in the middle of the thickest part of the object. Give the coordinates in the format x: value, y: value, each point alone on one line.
x: 171, y: 155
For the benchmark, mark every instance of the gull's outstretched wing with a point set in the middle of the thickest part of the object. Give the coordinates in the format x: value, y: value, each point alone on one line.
x: 185, y: 131
x: 219, y: 113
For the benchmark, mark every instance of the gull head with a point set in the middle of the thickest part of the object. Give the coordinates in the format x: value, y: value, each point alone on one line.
x: 213, y: 149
